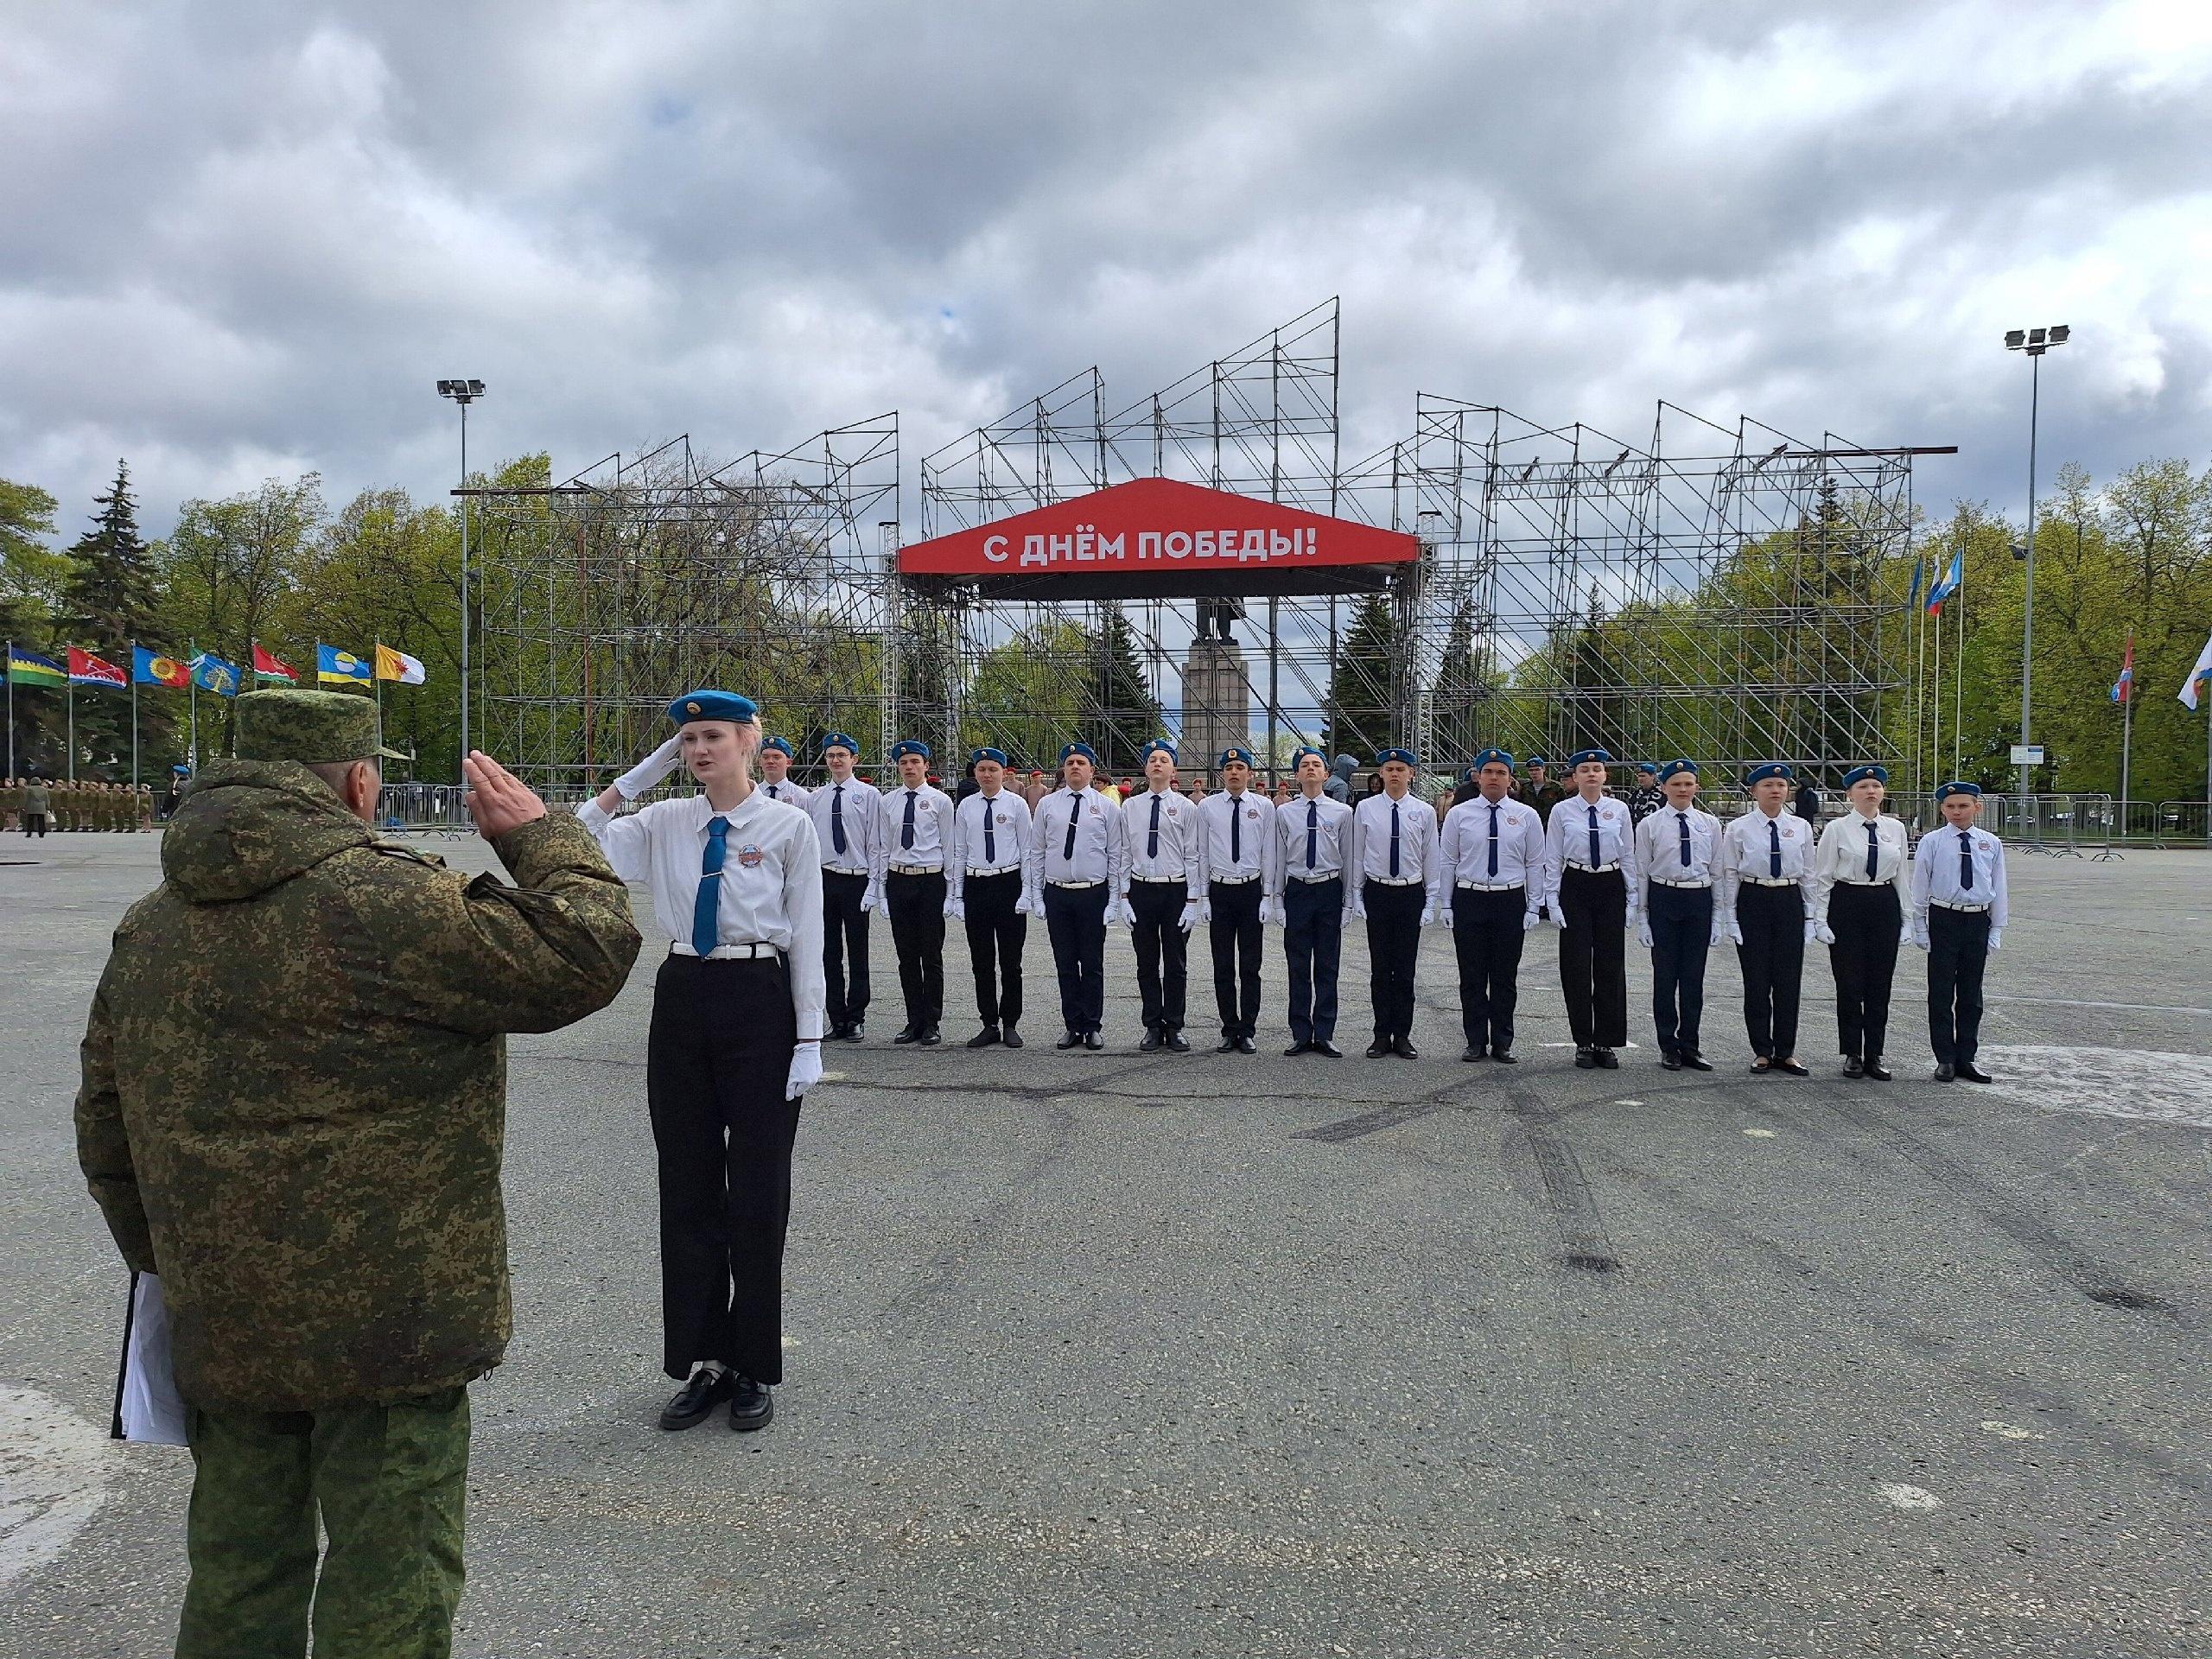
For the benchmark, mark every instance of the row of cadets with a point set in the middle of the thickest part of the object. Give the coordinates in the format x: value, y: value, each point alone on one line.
x: 1489, y: 891
x: 1862, y: 910
x: 1591, y: 883
x: 986, y: 891
x: 1960, y: 906
x: 1239, y: 853
x: 1313, y: 848
x: 1163, y: 893
x: 846, y: 812
x: 1396, y: 837
x: 1765, y: 889
x: 1074, y: 875
x: 1677, y: 919
x: 913, y: 845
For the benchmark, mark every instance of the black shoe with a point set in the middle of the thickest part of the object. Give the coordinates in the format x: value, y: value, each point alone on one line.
x: 1246, y: 1046
x: 1695, y: 1061
x: 1012, y: 1037
x: 1854, y: 1067
x: 984, y: 1038
x: 930, y: 1037
x: 855, y: 1031
x: 1073, y: 1039
x: 1295, y: 1050
x: 1670, y: 1061
x: 1151, y: 1043
x: 1379, y: 1048
x: 1504, y: 1057
x: 1793, y: 1068
x: 1476, y: 1052
x: 835, y: 1034
x: 1092, y: 1039
x: 751, y: 1405
x: 1325, y: 1049
x: 1972, y: 1073
x: 1608, y: 1060
x: 1227, y: 1046
x: 1585, y: 1058
x: 1876, y: 1071
x: 1942, y: 1071
x: 1404, y: 1049
x: 696, y: 1398
x: 1177, y: 1042
x: 910, y: 1034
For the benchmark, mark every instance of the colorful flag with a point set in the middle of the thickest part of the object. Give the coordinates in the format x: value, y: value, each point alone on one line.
x: 1952, y: 580
x: 213, y: 674
x: 267, y: 667
x: 151, y: 668
x: 2124, y: 687
x: 2198, y: 683
x: 336, y: 667
x: 85, y: 669
x: 398, y: 666
x: 1918, y: 571
x: 28, y: 667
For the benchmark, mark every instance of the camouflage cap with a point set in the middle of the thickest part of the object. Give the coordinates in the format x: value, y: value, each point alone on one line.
x: 313, y: 728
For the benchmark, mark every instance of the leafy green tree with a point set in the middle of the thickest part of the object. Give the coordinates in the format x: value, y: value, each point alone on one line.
x: 32, y: 575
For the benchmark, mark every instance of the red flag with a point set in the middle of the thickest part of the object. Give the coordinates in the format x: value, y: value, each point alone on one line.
x: 266, y: 667
x: 85, y: 669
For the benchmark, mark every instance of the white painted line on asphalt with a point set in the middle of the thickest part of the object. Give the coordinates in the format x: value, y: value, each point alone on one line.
x: 2123, y: 1083
x: 1628, y: 1102
x: 2008, y: 1431
x: 1760, y: 1135
x: 53, y: 1477
x: 836, y: 1077
x: 1896, y: 1494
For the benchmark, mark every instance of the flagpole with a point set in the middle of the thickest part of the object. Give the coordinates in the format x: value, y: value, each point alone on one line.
x: 192, y: 697
x: 1936, y: 747
x: 11, y: 708
x: 134, y: 716
x: 2127, y: 731
x: 69, y: 699
x: 1919, y: 690
x: 1959, y: 687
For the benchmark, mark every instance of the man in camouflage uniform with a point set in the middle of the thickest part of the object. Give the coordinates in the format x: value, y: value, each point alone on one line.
x: 292, y: 1110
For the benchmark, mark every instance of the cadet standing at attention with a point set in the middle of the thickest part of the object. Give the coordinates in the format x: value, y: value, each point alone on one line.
x: 1238, y: 846
x: 1490, y: 881
x: 1396, y: 835
x: 1161, y: 830
x: 1074, y: 877
x: 913, y: 834
x: 1766, y: 898
x: 293, y: 1111
x: 988, y: 893
x: 1313, y: 850
x: 846, y: 812
x: 734, y: 1044
x: 1959, y: 910
x: 1674, y: 852
x: 775, y: 772
x: 1862, y: 909
x: 1590, y: 875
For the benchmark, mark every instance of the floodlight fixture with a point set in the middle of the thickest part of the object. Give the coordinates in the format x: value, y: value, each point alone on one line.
x: 2014, y: 338
x: 461, y: 392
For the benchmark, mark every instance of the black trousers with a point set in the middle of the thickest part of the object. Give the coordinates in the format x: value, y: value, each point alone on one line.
x: 1958, y: 950
x: 1593, y: 956
x: 1393, y: 951
x: 1681, y: 934
x: 1234, y: 933
x: 1163, y: 951
x: 1314, y: 943
x: 1866, y: 921
x: 1074, y: 921
x: 716, y: 1060
x: 1773, y: 920
x: 844, y: 930
x: 995, y: 936
x: 35, y: 825
x: 1487, y: 937
x: 917, y: 907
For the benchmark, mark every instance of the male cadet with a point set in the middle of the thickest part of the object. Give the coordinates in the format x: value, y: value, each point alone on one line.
x: 1540, y: 791
x: 846, y: 813
x: 1766, y: 897
x: 1959, y: 911
x: 1074, y: 876
x: 1161, y: 832
x: 913, y: 836
x: 987, y: 892
x: 775, y: 772
x: 1674, y: 851
x: 1313, y: 847
x: 1590, y: 872
x: 1490, y: 880
x: 1238, y: 847
x: 1395, y: 833
x: 292, y: 1111
x: 1647, y: 798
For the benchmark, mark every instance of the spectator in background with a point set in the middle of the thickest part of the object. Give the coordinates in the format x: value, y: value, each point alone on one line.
x: 1647, y: 798
x: 1807, y: 804
x: 1339, y: 788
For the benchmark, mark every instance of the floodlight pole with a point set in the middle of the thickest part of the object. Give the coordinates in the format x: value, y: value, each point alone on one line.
x: 2035, y: 343
x: 463, y: 392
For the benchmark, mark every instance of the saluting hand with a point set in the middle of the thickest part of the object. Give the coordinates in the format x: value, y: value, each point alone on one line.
x: 498, y: 800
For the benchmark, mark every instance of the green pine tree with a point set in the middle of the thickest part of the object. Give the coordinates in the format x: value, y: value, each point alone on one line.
x: 1125, y: 716
x: 111, y: 598
x: 1362, y: 715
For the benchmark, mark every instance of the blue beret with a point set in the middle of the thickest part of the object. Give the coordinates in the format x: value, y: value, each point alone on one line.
x: 712, y: 705
x: 1581, y: 755
x: 1083, y: 749
x: 1383, y: 757
x: 1233, y: 753
x: 1298, y: 755
x: 778, y: 743
x: 987, y: 753
x: 1673, y: 767
x: 1859, y: 774
x: 1489, y: 757
x: 1538, y: 760
x: 1642, y: 766
x: 1159, y: 746
x: 1772, y: 769
x: 182, y: 772
x: 1944, y: 790
x: 906, y: 746
x: 841, y: 741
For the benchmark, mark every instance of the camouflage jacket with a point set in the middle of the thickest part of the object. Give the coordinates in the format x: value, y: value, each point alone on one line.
x: 294, y: 1084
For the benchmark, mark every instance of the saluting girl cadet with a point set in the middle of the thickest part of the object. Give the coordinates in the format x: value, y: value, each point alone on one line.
x: 1862, y: 909
x: 844, y: 812
x: 775, y: 770
x: 1766, y: 898
x: 1161, y: 832
x: 735, y: 1042
x: 913, y: 838
x: 1960, y: 906
x: 1313, y: 849
x: 1675, y: 848
x: 1396, y: 835
x: 1238, y: 847
x: 987, y: 892
x: 1074, y: 876
x: 1490, y: 883
x: 1590, y: 874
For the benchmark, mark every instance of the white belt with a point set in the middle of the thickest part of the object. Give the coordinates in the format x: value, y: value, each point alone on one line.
x: 918, y: 869
x: 1971, y: 910
x: 1394, y: 880
x: 1661, y: 880
x: 1771, y: 880
x: 1860, y: 882
x: 1592, y: 869
x: 1236, y: 881
x: 975, y: 874
x: 1313, y: 876
x: 1162, y: 881
x: 728, y: 952
x: 839, y: 869
x: 1075, y: 886
x: 1489, y: 886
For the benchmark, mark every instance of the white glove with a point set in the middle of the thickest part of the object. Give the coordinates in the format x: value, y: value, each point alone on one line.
x: 1189, y: 919
x: 1996, y: 938
x: 806, y: 1070
x: 1529, y: 922
x: 957, y: 909
x: 1277, y: 914
x: 1644, y: 933
x: 1205, y: 910
x: 1719, y: 931
x: 1123, y: 912
x: 1920, y: 937
x: 1359, y: 908
x: 1559, y: 918
x: 1346, y: 919
x: 1820, y: 933
x: 1026, y: 906
x: 1904, y: 936
x: 1428, y: 915
x: 1443, y: 915
x: 1735, y: 933
x: 641, y: 777
x: 871, y: 899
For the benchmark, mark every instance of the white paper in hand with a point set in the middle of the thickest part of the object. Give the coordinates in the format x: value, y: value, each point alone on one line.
x: 148, y: 1407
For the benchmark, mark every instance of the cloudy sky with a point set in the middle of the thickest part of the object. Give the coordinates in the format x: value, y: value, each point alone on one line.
x: 244, y: 239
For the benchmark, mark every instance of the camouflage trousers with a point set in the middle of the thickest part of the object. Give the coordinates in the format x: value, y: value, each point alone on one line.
x: 389, y: 1484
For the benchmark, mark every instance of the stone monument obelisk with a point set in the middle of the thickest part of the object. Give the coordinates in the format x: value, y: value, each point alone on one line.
x: 1217, y: 697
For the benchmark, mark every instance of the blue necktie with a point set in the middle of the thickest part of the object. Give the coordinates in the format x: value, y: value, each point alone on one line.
x: 1493, y: 841
x: 1075, y: 817
x: 1312, y: 832
x: 1152, y: 840
x: 1873, y: 852
x: 1236, y: 831
x: 1683, y: 819
x: 1966, y: 862
x: 705, y: 907
x: 1773, y: 848
x: 906, y: 829
x: 837, y: 818
x: 1394, y: 838
x: 990, y: 841
x: 1594, y: 860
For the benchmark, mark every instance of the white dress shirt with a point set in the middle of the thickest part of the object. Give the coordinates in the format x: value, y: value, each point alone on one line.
x: 933, y: 829
x: 1333, y: 837
x: 1471, y: 829
x: 853, y: 803
x: 1174, y: 821
x: 787, y: 792
x: 1414, y: 820
x: 1566, y: 845
x: 1841, y: 857
x: 1936, y: 877
x: 1005, y: 815
x: 771, y: 881
x: 1659, y: 847
x: 1255, y: 851
x: 1099, y: 851
x: 1747, y: 855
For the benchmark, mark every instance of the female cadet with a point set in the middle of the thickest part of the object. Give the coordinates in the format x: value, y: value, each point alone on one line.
x: 1765, y: 896
x: 1591, y: 887
x: 735, y: 1042
x: 1862, y: 909
x: 1674, y: 851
